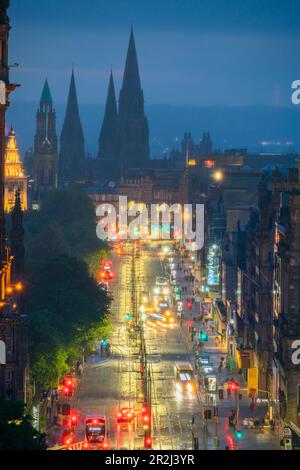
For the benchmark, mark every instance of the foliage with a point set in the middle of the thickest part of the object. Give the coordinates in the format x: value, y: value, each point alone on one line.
x: 16, y: 429
x: 70, y: 214
x: 49, y: 243
x: 68, y: 311
x: 93, y: 260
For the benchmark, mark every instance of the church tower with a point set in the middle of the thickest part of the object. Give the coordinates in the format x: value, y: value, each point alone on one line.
x: 107, y: 138
x: 45, y: 145
x: 133, y: 132
x: 72, y: 155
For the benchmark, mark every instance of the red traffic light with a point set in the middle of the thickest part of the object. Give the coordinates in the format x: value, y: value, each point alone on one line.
x: 189, y: 304
x: 144, y: 408
x: 233, y: 386
x: 148, y: 442
x: 68, y: 439
x: 67, y: 391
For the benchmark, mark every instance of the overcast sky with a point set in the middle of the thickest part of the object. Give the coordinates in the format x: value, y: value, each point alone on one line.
x: 202, y: 52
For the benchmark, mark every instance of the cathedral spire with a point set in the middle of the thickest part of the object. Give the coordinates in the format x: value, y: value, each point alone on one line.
x: 46, y: 94
x: 108, y: 129
x: 45, y: 145
x: 133, y: 132
x: 72, y: 154
x: 131, y: 78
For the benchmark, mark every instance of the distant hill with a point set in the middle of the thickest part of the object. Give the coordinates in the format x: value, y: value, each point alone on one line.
x: 230, y: 127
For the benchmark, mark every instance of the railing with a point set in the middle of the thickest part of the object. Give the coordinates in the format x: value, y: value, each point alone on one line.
x: 81, y: 445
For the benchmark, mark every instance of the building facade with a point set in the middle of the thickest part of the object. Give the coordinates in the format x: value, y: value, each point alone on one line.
x: 13, y: 325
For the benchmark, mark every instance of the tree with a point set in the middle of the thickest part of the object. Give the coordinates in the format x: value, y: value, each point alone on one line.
x: 73, y: 214
x: 16, y: 429
x: 63, y: 286
x: 48, y: 243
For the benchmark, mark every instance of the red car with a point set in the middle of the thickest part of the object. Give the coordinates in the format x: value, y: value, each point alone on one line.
x: 125, y: 415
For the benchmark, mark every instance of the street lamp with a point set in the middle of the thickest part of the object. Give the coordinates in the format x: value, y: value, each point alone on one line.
x: 218, y: 176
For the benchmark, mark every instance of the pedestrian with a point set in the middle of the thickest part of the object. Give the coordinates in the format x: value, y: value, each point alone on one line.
x: 55, y: 412
x: 48, y: 405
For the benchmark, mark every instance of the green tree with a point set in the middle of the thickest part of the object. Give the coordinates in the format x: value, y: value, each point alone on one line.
x: 16, y: 429
x: 48, y: 243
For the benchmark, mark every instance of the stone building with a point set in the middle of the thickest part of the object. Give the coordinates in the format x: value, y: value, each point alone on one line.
x: 13, y: 326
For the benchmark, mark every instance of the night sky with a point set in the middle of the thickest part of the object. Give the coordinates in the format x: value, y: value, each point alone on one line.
x: 195, y: 52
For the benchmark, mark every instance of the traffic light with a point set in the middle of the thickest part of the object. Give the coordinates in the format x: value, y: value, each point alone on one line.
x: 148, y: 442
x: 104, y: 343
x: 203, y: 336
x: 233, y: 386
x: 67, y: 391
x: 128, y: 317
x: 146, y: 417
x: 189, y: 304
x: 231, y: 421
x: 239, y: 435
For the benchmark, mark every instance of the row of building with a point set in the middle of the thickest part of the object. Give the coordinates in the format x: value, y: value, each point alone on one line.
x: 250, y: 281
x: 14, y: 370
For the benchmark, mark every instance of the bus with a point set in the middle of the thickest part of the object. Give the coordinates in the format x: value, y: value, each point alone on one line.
x: 96, y: 430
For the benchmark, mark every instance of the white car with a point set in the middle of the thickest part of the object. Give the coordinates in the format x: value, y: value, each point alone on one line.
x: 161, y: 281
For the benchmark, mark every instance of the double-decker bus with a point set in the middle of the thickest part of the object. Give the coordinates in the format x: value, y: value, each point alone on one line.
x: 96, y: 431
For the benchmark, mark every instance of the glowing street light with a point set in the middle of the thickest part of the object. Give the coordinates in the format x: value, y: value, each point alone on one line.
x: 218, y: 175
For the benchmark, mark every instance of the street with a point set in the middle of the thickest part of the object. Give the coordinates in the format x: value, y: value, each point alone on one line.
x: 113, y: 382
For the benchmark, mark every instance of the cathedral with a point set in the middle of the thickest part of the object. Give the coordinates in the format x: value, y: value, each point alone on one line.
x: 124, y: 136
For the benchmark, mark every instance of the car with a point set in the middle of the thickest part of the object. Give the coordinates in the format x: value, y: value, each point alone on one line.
x: 102, y: 286
x: 125, y: 415
x: 106, y: 264
x: 161, y: 281
x: 156, y: 290
x: 184, y: 377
